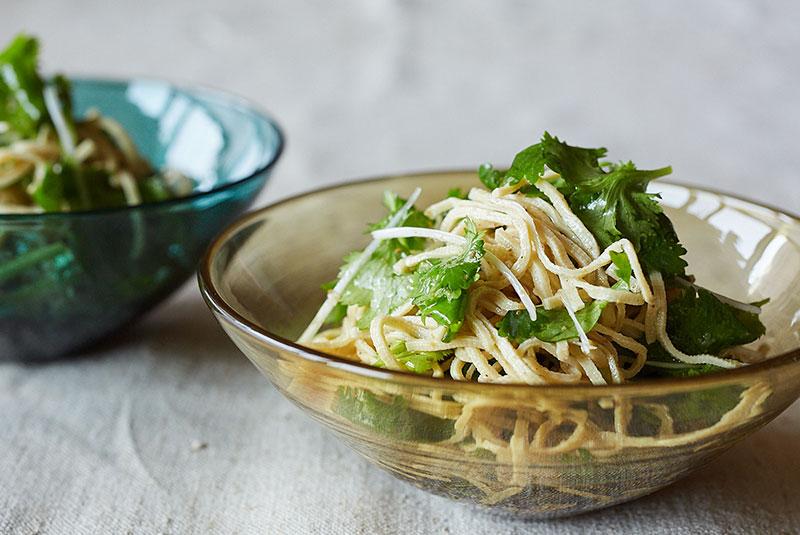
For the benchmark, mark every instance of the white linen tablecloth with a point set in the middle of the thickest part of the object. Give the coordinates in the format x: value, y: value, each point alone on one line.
x: 168, y: 428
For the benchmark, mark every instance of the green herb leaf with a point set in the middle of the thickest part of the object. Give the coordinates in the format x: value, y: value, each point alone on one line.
x: 394, y: 248
x: 154, y: 189
x: 550, y: 325
x: 50, y: 193
x: 337, y: 315
x: 376, y: 285
x: 440, y: 285
x: 574, y: 164
x: 579, y: 456
x: 623, y: 265
x: 417, y: 361
x: 490, y: 177
x: 612, y: 202
x: 392, y: 418
x: 21, y: 88
x: 615, y: 205
x: 702, y: 408
x: 528, y: 165
x: 457, y: 193
x: 698, y: 322
x: 65, y: 186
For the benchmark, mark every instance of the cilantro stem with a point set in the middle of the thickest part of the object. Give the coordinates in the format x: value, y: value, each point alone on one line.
x: 10, y: 269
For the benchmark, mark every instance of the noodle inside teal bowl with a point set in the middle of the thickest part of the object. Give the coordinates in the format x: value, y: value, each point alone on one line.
x: 534, y: 451
x: 69, y: 279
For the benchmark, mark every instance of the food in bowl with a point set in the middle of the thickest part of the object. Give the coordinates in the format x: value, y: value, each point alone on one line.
x: 541, y: 450
x: 562, y: 270
x: 51, y: 161
x: 112, y: 190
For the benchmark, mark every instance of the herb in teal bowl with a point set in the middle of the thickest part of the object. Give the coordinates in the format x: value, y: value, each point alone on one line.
x: 95, y: 233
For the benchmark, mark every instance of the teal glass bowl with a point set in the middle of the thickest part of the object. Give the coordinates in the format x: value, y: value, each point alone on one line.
x: 69, y: 279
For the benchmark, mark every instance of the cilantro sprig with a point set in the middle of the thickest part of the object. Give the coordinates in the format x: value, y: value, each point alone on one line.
x: 623, y: 265
x: 394, y: 248
x: 376, y: 286
x: 22, y: 105
x: 550, y: 325
x: 698, y: 322
x: 611, y: 200
x: 440, y: 285
x: 390, y: 416
x: 417, y: 361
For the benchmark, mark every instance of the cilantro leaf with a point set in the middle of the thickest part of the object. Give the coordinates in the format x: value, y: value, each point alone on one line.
x: 392, y: 418
x: 698, y: 322
x: 614, y: 205
x: 448, y: 277
x: 417, y: 361
x: 50, y: 192
x: 61, y: 186
x: 550, y: 325
x: 392, y: 249
x: 490, y: 177
x: 376, y: 285
x: 528, y: 165
x: 574, y: 164
x: 623, y: 265
x: 21, y: 88
x: 339, y: 311
x: 612, y: 202
x: 337, y: 314
x: 440, y: 284
x: 456, y: 193
x: 699, y: 409
x: 493, y: 179
x: 154, y: 189
x: 76, y: 187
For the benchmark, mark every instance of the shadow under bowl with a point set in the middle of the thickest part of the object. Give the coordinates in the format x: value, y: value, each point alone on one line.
x: 531, y: 451
x: 69, y: 279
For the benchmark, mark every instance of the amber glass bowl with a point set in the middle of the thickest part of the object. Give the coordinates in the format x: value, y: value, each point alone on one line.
x: 536, y: 451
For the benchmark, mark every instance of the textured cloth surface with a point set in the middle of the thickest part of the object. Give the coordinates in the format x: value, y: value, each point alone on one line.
x: 168, y: 429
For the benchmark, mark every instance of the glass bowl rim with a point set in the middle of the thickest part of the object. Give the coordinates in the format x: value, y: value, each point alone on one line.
x: 208, y: 93
x: 220, y: 307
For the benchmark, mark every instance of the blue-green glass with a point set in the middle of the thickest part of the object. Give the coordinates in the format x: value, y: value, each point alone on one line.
x: 69, y: 279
